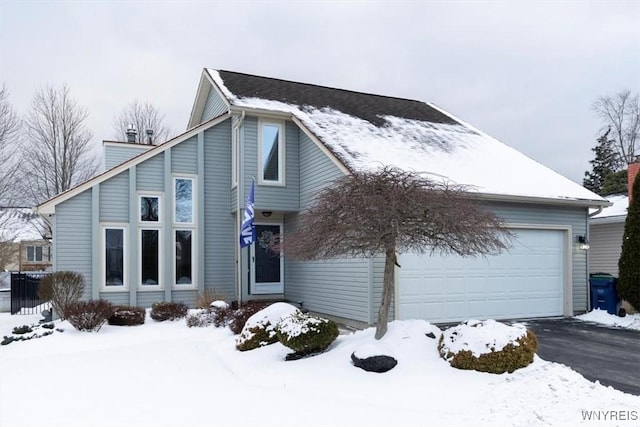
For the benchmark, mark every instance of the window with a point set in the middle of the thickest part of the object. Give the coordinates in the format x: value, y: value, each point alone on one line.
x: 183, y: 200
x: 149, y: 209
x: 270, y: 152
x: 34, y: 254
x: 184, y: 257
x: 149, y: 257
x: 114, y: 257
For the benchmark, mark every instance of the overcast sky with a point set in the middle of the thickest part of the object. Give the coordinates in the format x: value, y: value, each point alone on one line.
x: 524, y: 72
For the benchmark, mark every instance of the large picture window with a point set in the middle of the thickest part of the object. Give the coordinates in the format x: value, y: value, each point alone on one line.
x: 270, y: 151
x: 114, y: 257
x: 184, y: 257
x: 150, y: 257
x: 183, y: 201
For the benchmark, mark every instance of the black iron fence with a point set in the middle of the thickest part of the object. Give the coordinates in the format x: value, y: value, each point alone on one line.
x: 24, y: 293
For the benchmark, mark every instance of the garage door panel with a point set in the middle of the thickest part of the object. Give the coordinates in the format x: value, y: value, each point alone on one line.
x: 526, y: 281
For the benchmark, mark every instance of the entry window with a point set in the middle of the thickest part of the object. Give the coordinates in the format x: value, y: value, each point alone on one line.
x: 270, y: 151
x: 114, y: 257
x: 184, y: 257
x: 149, y: 209
x: 183, y: 200
x: 150, y: 257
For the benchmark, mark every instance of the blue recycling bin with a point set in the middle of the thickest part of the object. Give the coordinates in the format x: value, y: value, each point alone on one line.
x: 603, y: 292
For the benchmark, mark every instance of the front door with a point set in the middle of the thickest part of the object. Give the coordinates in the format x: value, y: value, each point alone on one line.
x: 266, y: 266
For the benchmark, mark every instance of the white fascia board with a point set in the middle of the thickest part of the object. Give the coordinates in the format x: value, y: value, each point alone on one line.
x: 542, y: 200
x: 608, y: 220
x: 48, y: 207
x: 204, y: 87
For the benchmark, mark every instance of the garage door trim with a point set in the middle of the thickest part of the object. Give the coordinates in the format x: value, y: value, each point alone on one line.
x: 567, y: 302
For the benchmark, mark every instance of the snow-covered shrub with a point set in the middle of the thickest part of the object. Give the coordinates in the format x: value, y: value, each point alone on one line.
x: 259, y: 329
x: 204, y: 300
x: 238, y: 317
x: 162, y: 311
x: 127, y: 316
x: 89, y: 315
x: 218, y: 315
x: 62, y: 288
x: 306, y: 334
x: 488, y: 346
x: 20, y: 330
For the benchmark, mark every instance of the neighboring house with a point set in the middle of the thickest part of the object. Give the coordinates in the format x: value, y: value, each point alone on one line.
x: 606, y: 229
x: 164, y: 224
x: 23, y: 242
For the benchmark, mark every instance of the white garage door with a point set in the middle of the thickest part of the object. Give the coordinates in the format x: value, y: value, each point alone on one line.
x: 525, y: 282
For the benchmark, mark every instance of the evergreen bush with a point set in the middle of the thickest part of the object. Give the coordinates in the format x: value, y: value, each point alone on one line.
x: 628, y: 285
x: 306, y: 334
x: 162, y: 311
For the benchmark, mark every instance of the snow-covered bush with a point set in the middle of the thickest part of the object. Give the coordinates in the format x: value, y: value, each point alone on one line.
x: 204, y: 300
x: 162, y: 311
x: 89, y: 315
x: 238, y: 317
x: 259, y: 329
x: 306, y: 334
x: 127, y: 316
x: 488, y: 346
x: 204, y: 318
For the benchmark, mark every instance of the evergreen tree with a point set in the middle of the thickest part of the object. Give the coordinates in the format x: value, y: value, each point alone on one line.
x: 629, y: 264
x: 606, y: 161
x: 615, y: 183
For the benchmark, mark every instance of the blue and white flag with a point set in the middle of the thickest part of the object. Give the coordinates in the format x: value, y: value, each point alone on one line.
x: 248, y: 229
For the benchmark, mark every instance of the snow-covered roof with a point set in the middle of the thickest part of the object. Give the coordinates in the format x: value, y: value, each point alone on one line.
x: 616, y: 212
x: 366, y: 131
x: 20, y: 224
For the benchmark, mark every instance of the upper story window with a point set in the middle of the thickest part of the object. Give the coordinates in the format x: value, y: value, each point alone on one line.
x: 271, y: 152
x: 149, y: 208
x: 36, y: 254
x: 183, y: 200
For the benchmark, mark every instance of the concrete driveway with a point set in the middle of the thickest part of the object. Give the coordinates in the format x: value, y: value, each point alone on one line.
x: 607, y: 354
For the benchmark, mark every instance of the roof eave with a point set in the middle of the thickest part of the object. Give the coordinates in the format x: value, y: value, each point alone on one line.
x: 543, y: 200
x: 617, y: 219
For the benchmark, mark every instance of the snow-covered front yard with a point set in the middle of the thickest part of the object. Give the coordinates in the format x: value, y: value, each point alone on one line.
x: 166, y: 374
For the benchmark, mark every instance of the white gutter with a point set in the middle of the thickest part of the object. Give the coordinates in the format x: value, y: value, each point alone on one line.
x: 240, y: 184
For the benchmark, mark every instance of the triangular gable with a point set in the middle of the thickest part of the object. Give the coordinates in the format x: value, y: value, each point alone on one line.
x: 202, y: 95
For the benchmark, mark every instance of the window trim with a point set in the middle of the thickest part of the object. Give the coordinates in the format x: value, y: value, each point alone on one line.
x: 160, y: 285
x: 125, y: 257
x: 281, y: 153
x: 194, y: 206
x: 158, y: 195
x: 194, y: 259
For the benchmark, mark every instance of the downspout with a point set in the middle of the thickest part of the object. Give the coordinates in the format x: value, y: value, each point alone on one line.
x: 240, y: 185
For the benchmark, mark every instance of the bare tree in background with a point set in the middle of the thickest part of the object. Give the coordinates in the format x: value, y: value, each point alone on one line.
x: 56, y: 154
x: 621, y: 113
x: 143, y: 116
x: 389, y: 211
x: 9, y: 133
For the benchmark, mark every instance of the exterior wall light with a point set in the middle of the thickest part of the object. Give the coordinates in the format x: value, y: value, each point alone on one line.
x: 583, y: 243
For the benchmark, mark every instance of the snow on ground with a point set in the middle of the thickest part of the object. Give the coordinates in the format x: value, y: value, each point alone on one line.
x: 630, y: 321
x: 166, y: 374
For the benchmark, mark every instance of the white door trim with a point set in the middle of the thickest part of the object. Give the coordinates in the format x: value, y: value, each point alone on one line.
x: 270, y: 287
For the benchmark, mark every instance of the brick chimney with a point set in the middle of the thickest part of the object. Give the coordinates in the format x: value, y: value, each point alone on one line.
x: 632, y: 172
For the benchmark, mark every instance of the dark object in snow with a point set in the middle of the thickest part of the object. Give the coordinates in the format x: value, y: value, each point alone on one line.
x: 48, y: 325
x: 378, y: 364
x: 431, y: 335
x: 47, y: 316
x: 20, y: 330
x: 622, y: 312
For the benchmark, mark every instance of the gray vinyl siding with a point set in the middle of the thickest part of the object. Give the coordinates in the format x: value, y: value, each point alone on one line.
x: 187, y: 297
x: 184, y: 157
x: 116, y: 154
x: 271, y: 197
x: 219, y: 224
x: 150, y: 174
x: 316, y: 170
x: 74, y: 238
x: 114, y: 198
x: 213, y: 107
x: 116, y: 298
x: 147, y: 298
x: 605, y: 246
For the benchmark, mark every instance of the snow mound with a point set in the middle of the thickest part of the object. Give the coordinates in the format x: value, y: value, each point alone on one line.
x: 481, y: 337
x: 219, y: 305
x: 630, y: 321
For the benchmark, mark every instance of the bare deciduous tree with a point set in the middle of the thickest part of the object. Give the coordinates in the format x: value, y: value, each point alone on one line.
x: 143, y: 116
x: 56, y: 154
x: 389, y: 211
x: 621, y: 113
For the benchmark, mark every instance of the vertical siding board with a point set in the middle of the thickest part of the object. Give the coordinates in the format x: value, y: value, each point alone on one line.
x: 73, y: 243
x: 218, y: 232
x: 114, y: 198
x: 213, y: 107
x: 606, y: 245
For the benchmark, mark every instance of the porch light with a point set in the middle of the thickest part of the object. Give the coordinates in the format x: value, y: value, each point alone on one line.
x: 583, y: 243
